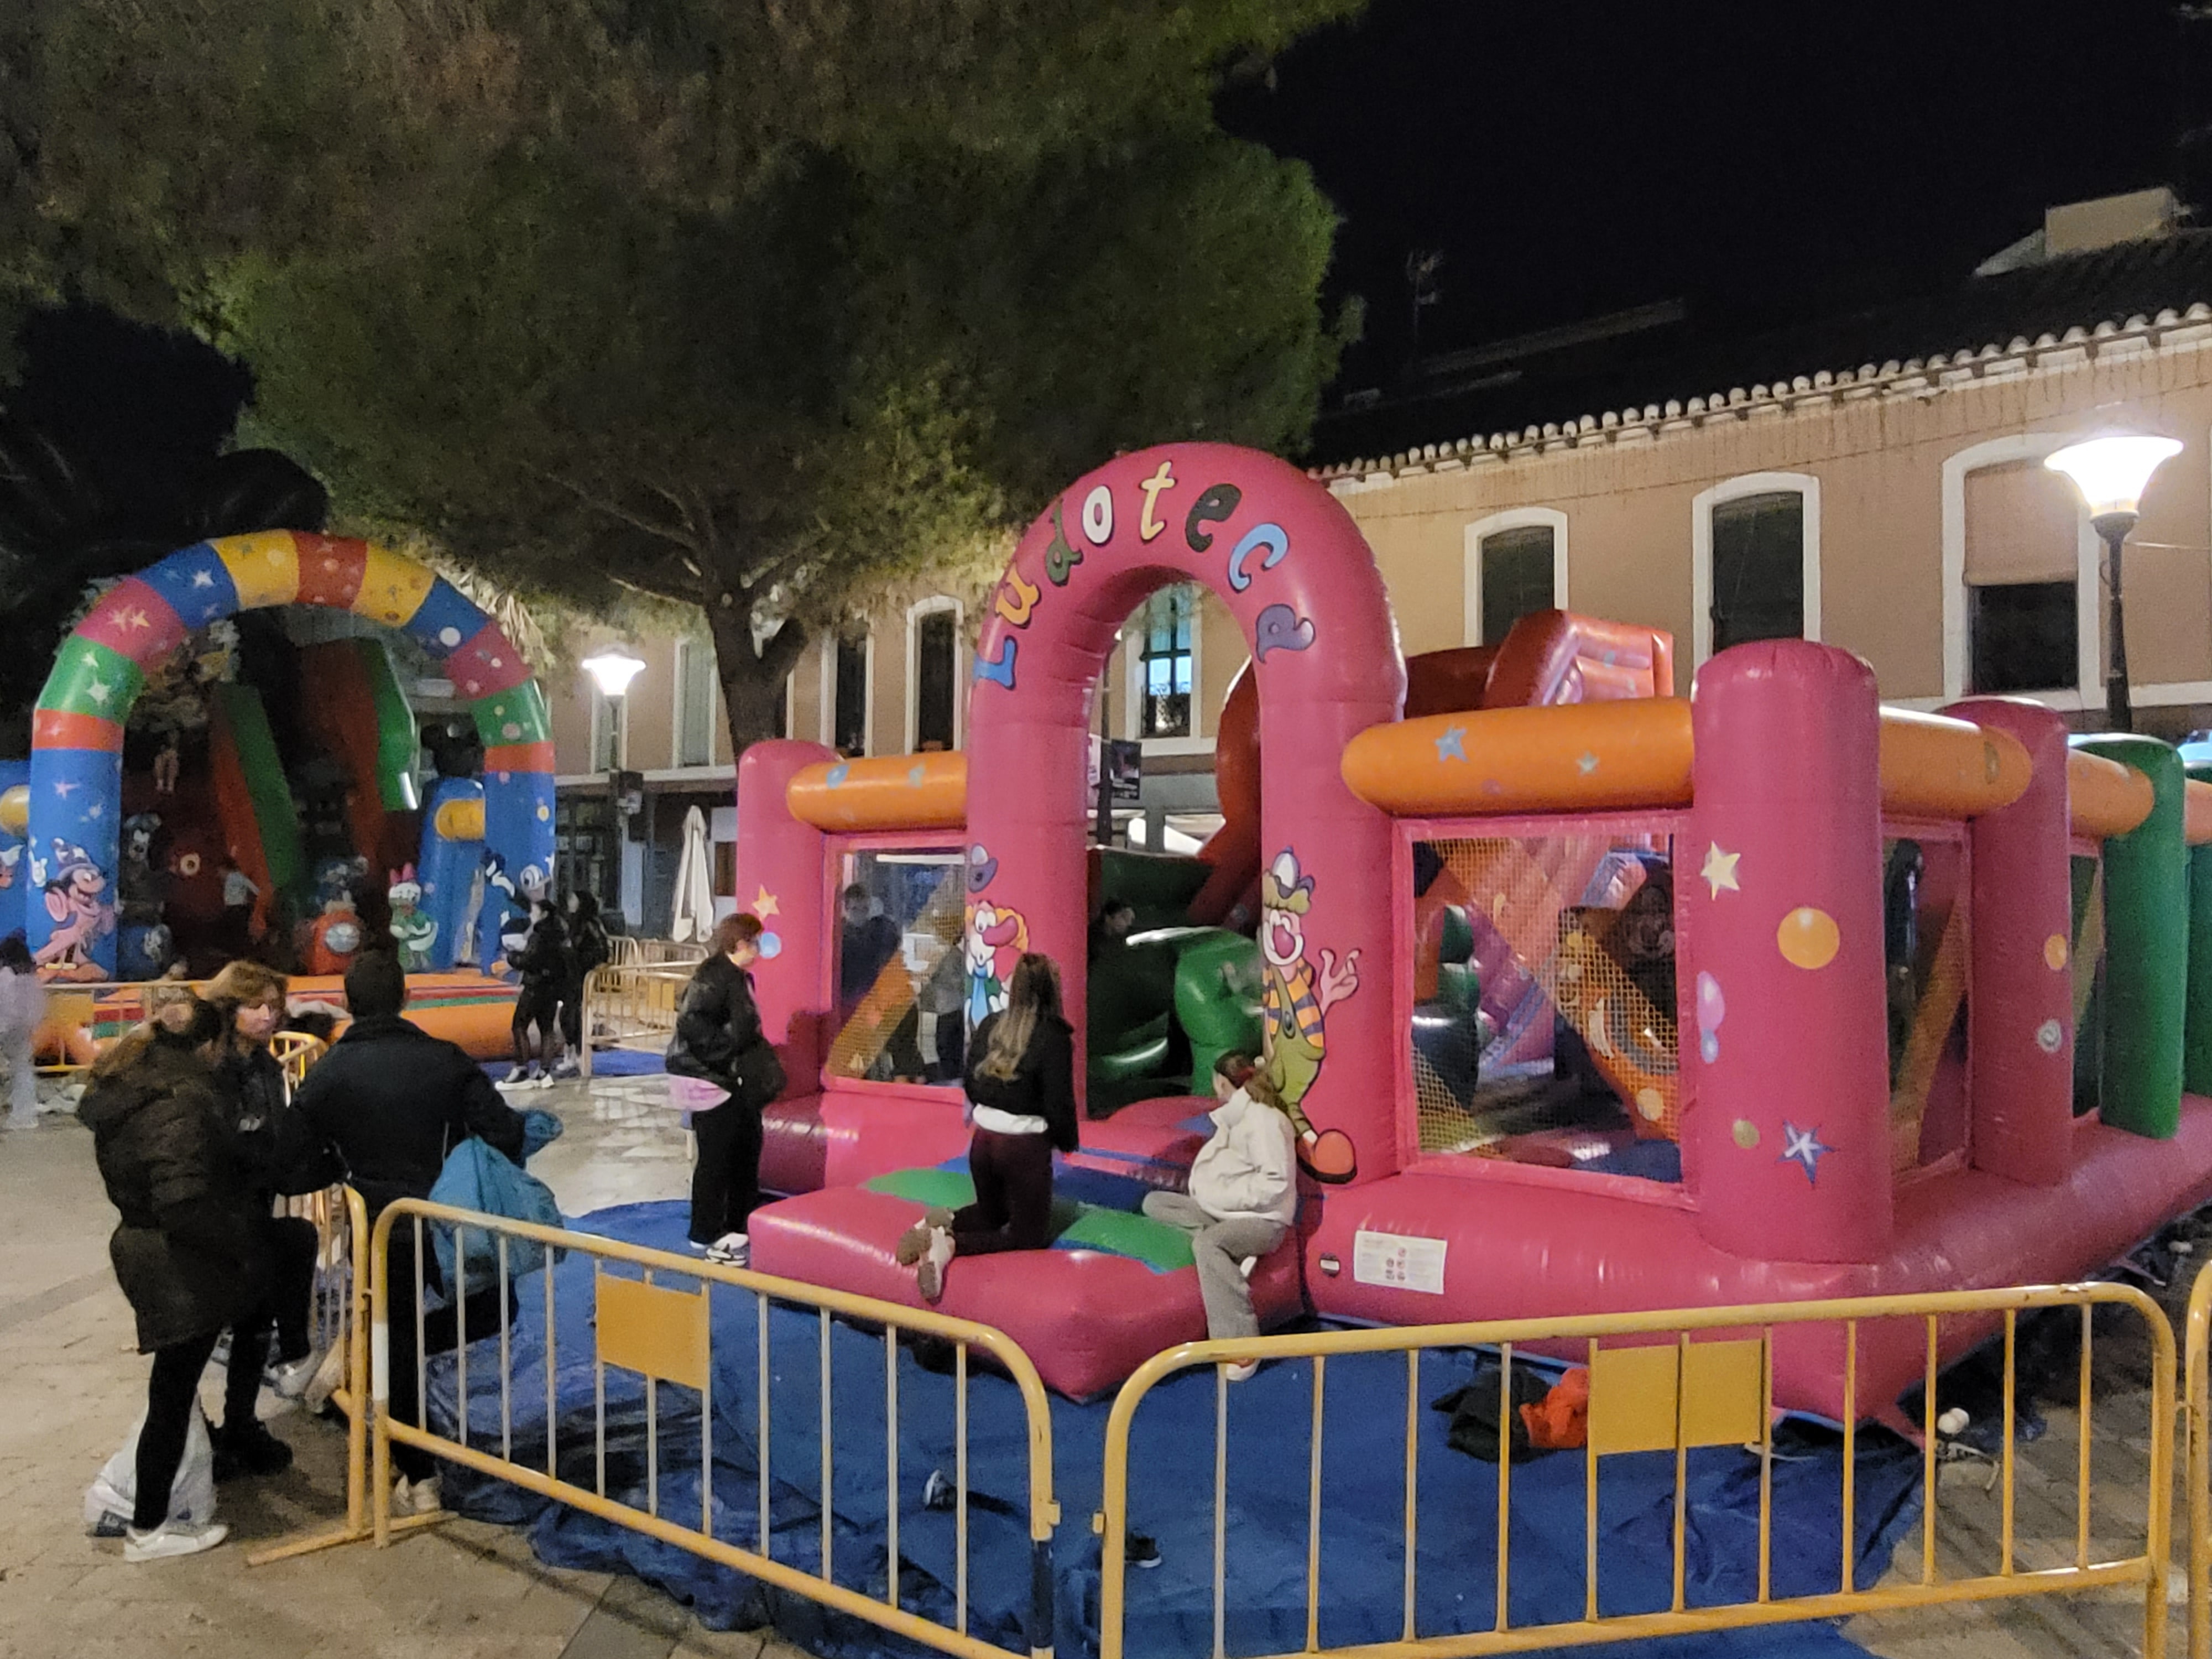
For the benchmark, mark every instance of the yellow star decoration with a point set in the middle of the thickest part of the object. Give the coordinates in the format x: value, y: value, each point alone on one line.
x: 1720, y: 869
x: 764, y: 904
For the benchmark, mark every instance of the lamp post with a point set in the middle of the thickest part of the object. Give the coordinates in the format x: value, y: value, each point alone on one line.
x: 612, y: 671
x: 2112, y: 472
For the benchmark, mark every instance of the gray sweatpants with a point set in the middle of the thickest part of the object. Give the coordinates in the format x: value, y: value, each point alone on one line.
x: 1218, y: 1247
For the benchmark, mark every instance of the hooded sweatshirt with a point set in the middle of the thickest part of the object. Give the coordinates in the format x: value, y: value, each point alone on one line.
x: 1248, y: 1167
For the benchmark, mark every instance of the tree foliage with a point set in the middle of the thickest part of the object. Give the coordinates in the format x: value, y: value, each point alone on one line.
x: 755, y: 307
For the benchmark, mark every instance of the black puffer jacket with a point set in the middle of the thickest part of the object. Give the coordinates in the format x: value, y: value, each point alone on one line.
x: 1044, y: 1085
x: 187, y: 1254
x: 716, y: 1022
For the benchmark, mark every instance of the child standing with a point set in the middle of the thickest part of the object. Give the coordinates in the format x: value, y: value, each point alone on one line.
x: 1243, y: 1195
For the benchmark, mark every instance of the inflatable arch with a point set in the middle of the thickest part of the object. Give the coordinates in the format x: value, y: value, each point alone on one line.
x: 76, y: 739
x: 1299, y: 579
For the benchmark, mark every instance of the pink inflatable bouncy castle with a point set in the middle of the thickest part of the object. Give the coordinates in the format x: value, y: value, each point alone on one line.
x: 1581, y: 998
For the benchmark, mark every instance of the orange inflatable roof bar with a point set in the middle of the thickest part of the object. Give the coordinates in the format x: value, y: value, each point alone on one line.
x: 1936, y: 767
x: 884, y: 792
x: 1576, y: 757
x: 2104, y: 797
x: 2196, y: 821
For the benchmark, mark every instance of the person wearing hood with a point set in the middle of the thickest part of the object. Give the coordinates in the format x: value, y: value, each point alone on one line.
x: 188, y: 1250
x: 1242, y: 1197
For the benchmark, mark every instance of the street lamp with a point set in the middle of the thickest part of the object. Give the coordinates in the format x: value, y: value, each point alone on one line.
x: 612, y: 671
x: 2111, y: 473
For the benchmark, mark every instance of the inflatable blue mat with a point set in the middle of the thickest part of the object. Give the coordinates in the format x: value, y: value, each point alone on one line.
x: 1169, y: 1606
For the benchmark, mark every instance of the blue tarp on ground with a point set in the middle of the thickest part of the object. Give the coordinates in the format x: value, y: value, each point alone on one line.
x: 1169, y: 1606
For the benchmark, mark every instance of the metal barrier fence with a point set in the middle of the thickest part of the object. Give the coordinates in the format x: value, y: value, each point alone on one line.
x: 656, y: 1321
x: 2196, y: 1393
x: 1668, y: 1392
x: 630, y: 1007
x: 630, y: 952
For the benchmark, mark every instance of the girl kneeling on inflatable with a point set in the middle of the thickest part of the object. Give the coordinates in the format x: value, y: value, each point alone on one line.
x: 1244, y: 1195
x: 1021, y: 1100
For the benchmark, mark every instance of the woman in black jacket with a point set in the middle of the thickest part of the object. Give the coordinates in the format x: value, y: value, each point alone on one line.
x: 188, y: 1251
x: 1021, y: 1096
x: 543, y: 962
x: 723, y: 1071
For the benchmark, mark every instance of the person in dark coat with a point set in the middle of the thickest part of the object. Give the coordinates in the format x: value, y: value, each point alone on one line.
x: 390, y: 1101
x: 723, y: 1071
x: 543, y: 963
x: 1021, y: 1098
x: 250, y: 1086
x: 187, y: 1252
x: 589, y: 947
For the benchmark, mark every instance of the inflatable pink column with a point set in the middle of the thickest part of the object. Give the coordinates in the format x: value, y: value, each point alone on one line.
x: 780, y: 880
x: 2020, y: 1020
x: 1787, y: 1145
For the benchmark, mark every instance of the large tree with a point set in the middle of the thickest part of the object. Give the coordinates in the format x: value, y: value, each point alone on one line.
x: 755, y: 307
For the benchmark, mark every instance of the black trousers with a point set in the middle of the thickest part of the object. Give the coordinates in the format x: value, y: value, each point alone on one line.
x: 1012, y: 1209
x: 172, y: 1397
x: 725, y: 1181
x: 440, y: 1334
x: 572, y: 1016
x: 289, y: 1242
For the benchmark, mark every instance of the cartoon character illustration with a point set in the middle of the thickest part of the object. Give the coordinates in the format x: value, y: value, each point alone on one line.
x: 1294, y: 1005
x: 413, y: 932
x: 11, y: 858
x: 137, y: 885
x: 994, y: 940
x: 77, y: 899
x: 336, y: 936
x: 521, y: 891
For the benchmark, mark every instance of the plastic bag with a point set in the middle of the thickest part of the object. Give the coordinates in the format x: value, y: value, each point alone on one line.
x: 482, y: 1178
x: 110, y: 1499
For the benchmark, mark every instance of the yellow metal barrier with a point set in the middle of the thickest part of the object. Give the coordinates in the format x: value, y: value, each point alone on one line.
x: 629, y: 952
x: 630, y: 1007
x: 1661, y: 1391
x: 657, y: 1325
x: 2198, y: 1393
x: 295, y: 1051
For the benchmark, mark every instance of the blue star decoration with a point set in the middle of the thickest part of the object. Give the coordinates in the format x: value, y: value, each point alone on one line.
x: 1452, y: 745
x: 1803, y: 1147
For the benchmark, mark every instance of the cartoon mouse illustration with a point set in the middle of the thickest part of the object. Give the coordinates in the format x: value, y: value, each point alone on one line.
x: 412, y: 931
x: 993, y: 944
x: 1295, y: 1005
x: 77, y: 899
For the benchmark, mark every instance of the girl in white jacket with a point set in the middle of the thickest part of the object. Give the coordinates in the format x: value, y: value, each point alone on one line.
x: 1243, y: 1195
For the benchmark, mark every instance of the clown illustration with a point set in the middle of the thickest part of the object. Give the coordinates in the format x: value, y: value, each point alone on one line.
x: 1295, y: 1005
x: 77, y: 899
x: 996, y: 937
x: 412, y: 931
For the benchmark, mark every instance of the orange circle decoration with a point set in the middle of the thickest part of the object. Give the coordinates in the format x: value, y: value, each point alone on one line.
x: 2054, y: 951
x: 1746, y: 1134
x: 1807, y: 937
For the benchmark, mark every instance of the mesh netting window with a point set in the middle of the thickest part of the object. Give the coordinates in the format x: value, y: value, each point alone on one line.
x: 898, y: 968
x: 1545, y: 1018
x: 1924, y: 956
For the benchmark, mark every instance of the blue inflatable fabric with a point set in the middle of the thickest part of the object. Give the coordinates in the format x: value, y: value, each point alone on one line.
x: 1170, y: 1609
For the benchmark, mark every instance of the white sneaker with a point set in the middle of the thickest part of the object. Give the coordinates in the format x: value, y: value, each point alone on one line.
x: 329, y: 1377
x: 731, y: 1251
x: 1246, y: 1266
x: 1243, y: 1370
x: 544, y: 1080
x: 292, y: 1381
x: 424, y: 1497
x: 929, y: 1273
x: 172, y: 1539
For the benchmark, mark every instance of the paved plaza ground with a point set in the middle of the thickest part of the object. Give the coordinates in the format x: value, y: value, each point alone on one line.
x: 71, y: 1384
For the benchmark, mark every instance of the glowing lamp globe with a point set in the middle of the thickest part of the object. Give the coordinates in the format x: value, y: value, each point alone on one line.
x: 2110, y: 473
x: 612, y: 672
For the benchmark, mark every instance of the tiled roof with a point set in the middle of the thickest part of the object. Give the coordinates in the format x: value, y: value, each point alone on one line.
x: 2147, y: 293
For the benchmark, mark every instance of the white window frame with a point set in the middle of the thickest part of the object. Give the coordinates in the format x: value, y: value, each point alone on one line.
x: 829, y: 722
x: 1519, y: 518
x: 605, y: 707
x: 1958, y: 643
x: 1133, y: 651
x: 684, y: 648
x: 914, y: 613
x: 1701, y: 550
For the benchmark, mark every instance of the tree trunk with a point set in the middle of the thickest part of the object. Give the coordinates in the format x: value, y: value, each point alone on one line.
x: 753, y: 677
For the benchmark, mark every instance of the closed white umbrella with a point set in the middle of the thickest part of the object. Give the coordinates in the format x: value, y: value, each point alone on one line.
x: 694, y: 914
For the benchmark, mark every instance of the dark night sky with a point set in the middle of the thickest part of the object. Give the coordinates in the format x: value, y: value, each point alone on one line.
x: 1759, y: 158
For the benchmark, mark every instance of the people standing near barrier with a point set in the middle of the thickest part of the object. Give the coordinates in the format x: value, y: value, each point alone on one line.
x: 250, y: 1086
x: 22, y: 1006
x: 188, y: 1250
x: 724, y: 1071
x: 389, y: 1100
x: 543, y: 963
x: 589, y: 948
x: 1243, y: 1195
x: 1021, y: 1100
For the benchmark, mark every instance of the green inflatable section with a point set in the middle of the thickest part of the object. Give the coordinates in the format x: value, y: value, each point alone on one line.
x: 1216, y: 998
x: 2196, y: 1032
x: 397, y: 739
x: 2147, y: 955
x: 1159, y: 1247
x: 274, y: 810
